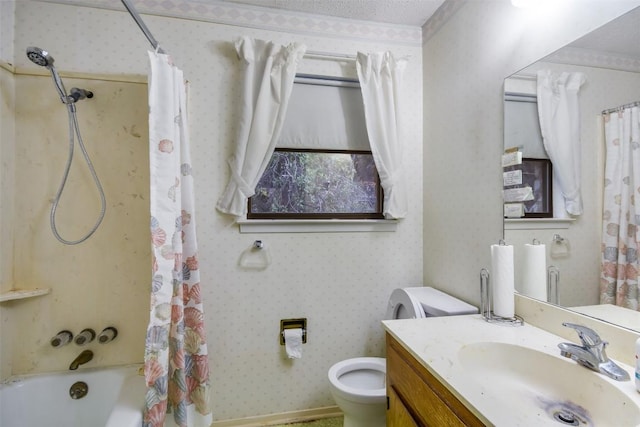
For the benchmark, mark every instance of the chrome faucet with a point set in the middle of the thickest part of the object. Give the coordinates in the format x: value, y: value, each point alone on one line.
x: 592, y: 354
x: 82, y: 358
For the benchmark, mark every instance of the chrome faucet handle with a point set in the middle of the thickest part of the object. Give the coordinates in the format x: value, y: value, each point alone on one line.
x: 592, y: 353
x: 588, y: 336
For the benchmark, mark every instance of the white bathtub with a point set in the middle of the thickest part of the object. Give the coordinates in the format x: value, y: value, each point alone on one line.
x: 115, y: 399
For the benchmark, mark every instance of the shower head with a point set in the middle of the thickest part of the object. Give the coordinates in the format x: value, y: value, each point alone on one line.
x: 42, y: 58
x: 39, y: 57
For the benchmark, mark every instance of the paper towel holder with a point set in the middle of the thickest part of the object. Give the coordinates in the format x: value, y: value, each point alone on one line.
x: 485, y: 303
x: 300, y: 323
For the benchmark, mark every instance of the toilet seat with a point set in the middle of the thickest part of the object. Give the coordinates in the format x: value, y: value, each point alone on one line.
x: 353, y: 393
x: 402, y: 305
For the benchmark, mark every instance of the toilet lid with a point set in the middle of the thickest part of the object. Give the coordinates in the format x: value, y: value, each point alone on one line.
x: 436, y: 303
x: 403, y: 306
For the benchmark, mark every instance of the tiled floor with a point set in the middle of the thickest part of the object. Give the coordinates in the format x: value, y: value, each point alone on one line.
x: 326, y: 422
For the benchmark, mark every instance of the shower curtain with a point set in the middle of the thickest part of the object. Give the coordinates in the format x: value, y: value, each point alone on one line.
x: 176, y: 361
x: 621, y: 216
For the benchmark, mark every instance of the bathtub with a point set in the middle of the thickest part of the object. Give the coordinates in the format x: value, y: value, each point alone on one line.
x: 115, y: 398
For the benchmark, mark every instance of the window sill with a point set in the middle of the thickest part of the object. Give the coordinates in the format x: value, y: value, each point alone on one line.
x: 537, y: 223
x: 316, y: 225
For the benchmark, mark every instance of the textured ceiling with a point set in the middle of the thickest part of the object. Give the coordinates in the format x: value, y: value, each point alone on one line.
x: 403, y: 12
x: 621, y: 36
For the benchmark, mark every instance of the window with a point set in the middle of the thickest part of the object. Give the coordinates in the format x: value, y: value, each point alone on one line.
x: 522, y: 130
x: 322, y: 167
x: 315, y: 184
x: 536, y: 173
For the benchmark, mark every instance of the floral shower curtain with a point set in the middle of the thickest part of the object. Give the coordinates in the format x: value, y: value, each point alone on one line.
x: 176, y: 361
x: 621, y: 216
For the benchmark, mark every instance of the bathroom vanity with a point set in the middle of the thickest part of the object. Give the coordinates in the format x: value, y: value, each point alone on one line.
x: 416, y: 397
x: 464, y: 371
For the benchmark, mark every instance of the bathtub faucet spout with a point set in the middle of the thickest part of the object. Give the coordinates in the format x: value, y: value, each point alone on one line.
x: 82, y: 358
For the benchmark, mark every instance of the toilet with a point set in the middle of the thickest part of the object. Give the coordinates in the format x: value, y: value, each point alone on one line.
x: 358, y: 385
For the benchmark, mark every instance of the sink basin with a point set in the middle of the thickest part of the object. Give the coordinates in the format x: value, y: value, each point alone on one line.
x: 562, y: 392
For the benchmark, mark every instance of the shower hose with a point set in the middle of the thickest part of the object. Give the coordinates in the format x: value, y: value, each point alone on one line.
x: 74, y: 130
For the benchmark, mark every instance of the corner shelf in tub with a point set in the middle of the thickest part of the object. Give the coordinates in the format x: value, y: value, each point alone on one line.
x: 16, y: 294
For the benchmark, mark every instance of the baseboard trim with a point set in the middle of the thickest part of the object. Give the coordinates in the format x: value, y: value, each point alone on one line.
x: 281, y: 418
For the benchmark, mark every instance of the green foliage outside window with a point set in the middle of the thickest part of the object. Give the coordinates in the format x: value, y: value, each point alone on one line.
x: 318, y: 184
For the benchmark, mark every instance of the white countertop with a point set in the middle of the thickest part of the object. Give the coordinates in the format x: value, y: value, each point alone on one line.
x: 435, y: 343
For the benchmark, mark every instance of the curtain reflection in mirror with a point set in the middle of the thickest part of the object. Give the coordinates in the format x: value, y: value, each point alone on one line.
x: 620, y: 267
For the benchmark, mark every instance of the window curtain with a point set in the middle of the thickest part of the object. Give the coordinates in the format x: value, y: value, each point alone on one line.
x: 380, y: 77
x: 176, y: 362
x: 621, y: 216
x: 559, y: 114
x: 268, y: 72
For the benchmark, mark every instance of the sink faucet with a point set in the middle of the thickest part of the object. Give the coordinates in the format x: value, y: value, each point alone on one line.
x: 591, y: 354
x: 82, y: 358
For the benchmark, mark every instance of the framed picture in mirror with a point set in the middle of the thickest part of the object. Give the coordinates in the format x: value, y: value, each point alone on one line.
x: 537, y: 173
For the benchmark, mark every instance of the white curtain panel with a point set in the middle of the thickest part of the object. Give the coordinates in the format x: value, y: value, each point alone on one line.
x: 621, y: 216
x: 176, y: 357
x: 559, y: 114
x: 380, y: 77
x: 268, y: 72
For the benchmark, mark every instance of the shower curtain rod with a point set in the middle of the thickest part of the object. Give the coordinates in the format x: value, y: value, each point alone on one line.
x: 622, y: 107
x: 134, y: 14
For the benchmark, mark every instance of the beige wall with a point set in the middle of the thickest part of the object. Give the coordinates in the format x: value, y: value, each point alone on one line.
x: 7, y: 138
x: 465, y: 63
x: 102, y: 281
x: 339, y: 281
x: 7, y: 135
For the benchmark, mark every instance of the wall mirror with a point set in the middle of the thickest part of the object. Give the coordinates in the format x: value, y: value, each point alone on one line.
x: 610, y: 58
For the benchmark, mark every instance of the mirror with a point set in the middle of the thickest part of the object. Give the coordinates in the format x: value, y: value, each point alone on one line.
x: 610, y: 58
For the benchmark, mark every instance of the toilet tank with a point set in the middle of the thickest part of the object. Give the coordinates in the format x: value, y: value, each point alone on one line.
x: 437, y: 303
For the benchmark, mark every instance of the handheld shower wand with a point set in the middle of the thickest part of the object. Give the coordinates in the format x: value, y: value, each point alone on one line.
x: 41, y: 57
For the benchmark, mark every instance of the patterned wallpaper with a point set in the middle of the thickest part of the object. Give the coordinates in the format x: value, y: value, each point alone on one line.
x: 591, y: 58
x: 339, y: 281
x: 266, y: 19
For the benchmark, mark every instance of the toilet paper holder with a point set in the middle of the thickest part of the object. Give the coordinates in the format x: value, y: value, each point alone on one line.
x: 300, y: 323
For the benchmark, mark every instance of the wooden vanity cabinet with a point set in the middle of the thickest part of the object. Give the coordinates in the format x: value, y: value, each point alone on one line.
x: 416, y: 398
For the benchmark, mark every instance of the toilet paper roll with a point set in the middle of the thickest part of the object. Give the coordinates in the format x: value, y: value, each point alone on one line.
x: 502, y: 281
x: 534, y: 271
x: 293, y: 343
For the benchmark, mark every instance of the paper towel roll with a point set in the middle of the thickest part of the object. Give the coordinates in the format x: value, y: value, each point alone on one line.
x: 502, y: 282
x: 293, y: 342
x: 534, y: 271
